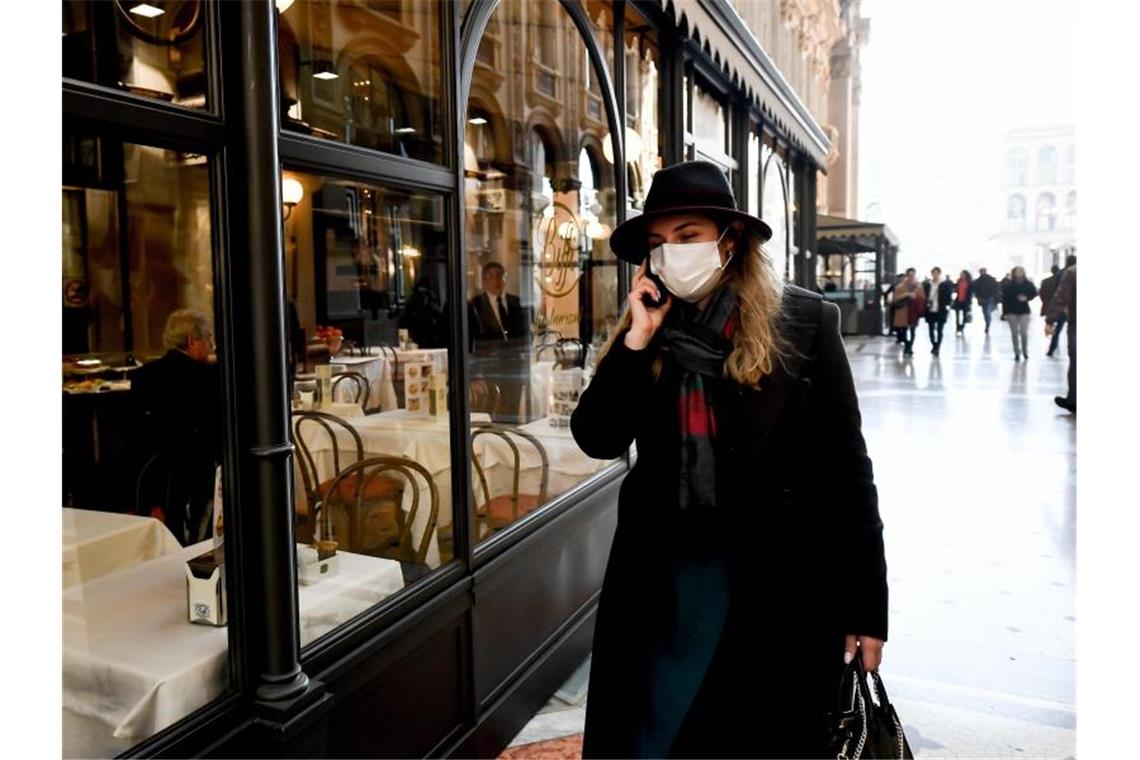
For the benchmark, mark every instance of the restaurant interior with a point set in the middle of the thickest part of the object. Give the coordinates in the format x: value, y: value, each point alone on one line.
x: 368, y: 321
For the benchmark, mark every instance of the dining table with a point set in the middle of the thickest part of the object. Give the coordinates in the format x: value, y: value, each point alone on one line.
x: 96, y: 543
x: 133, y: 663
x: 378, y: 370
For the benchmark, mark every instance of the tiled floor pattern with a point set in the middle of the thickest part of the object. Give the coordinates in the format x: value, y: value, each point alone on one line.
x: 976, y: 470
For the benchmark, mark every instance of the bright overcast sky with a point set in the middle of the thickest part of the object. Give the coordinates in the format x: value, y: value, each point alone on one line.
x: 942, y: 84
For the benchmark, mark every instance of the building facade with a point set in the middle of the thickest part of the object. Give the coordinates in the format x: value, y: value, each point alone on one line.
x: 1038, y: 203
x: 323, y: 171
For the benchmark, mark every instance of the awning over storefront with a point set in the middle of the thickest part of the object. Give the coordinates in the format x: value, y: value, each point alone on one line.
x: 871, y: 251
x: 722, y: 34
x: 838, y: 235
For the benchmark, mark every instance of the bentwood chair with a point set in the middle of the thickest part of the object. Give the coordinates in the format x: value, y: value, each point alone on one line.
x: 484, y: 396
x: 496, y: 513
x: 359, y: 385
x: 317, y: 491
x: 365, y: 516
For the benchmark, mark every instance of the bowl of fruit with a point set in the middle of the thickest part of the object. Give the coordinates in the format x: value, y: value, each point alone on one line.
x: 332, y: 336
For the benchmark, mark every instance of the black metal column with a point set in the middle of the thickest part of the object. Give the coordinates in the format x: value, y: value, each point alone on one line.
x: 255, y: 270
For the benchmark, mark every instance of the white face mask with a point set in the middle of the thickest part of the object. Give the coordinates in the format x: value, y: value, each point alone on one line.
x: 689, y: 270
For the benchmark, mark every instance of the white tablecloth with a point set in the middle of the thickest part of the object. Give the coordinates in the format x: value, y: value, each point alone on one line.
x: 378, y: 371
x: 97, y: 543
x: 346, y: 410
x: 133, y: 664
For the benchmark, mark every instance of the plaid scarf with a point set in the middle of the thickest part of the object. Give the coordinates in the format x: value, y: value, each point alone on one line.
x: 699, y: 341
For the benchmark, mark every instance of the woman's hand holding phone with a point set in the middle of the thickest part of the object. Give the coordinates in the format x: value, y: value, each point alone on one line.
x: 646, y: 319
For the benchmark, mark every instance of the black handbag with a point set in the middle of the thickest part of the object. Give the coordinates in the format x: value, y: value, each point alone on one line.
x: 861, y: 727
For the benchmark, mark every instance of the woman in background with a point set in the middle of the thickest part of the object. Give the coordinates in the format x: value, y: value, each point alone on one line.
x: 1016, y: 294
x: 963, y: 295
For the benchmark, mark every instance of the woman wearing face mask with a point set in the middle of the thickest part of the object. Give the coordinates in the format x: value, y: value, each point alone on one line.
x: 748, y: 564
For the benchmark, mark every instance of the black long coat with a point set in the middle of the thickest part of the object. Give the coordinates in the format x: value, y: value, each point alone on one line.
x: 720, y: 633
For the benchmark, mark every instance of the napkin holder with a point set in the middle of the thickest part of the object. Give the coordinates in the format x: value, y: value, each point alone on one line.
x: 206, y: 588
x: 312, y: 567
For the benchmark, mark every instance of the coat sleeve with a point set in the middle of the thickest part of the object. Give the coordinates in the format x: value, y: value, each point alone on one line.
x: 851, y: 491
x: 605, y: 420
x: 1062, y: 295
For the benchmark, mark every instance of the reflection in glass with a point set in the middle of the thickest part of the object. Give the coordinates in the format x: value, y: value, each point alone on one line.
x: 541, y: 278
x: 364, y: 73
x: 642, y: 67
x: 754, y: 174
x: 366, y: 279
x: 155, y: 49
x: 776, y: 209
x: 141, y: 444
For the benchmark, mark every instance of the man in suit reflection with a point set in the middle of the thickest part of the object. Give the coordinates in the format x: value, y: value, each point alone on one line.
x: 499, y: 329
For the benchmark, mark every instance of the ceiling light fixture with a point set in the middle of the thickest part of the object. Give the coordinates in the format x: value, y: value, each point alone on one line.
x: 324, y: 70
x: 477, y: 121
x: 147, y: 11
x: 405, y: 130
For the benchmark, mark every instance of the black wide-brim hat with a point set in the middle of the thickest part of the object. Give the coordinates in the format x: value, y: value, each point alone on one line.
x: 696, y: 187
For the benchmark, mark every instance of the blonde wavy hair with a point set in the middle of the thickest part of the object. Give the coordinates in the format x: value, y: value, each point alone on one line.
x: 758, y: 343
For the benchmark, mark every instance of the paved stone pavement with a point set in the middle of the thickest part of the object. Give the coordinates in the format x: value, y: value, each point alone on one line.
x: 976, y: 470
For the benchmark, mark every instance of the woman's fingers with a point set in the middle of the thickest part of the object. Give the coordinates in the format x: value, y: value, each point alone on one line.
x: 867, y: 647
x: 640, y: 273
x: 872, y: 653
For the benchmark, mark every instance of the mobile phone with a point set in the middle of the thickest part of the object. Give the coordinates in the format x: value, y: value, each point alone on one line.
x: 649, y: 300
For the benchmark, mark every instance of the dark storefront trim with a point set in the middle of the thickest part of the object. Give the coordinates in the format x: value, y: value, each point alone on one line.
x: 477, y: 668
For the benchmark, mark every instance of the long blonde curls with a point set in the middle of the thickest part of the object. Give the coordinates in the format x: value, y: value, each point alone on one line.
x: 757, y: 344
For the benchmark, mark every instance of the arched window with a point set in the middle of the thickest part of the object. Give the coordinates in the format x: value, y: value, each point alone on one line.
x: 775, y: 210
x: 541, y: 249
x: 1046, y: 212
x: 1017, y: 167
x: 1070, y: 218
x: 1069, y: 175
x: 1046, y: 165
x: 1015, y: 213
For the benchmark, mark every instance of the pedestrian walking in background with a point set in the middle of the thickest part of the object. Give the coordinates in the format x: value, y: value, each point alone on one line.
x: 707, y: 376
x: 1064, y: 303
x: 988, y: 292
x: 1048, y: 289
x: 909, y: 302
x: 963, y: 299
x: 939, y: 296
x: 1016, y: 294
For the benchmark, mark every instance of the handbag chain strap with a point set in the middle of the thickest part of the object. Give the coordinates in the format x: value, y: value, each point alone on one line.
x: 863, y: 731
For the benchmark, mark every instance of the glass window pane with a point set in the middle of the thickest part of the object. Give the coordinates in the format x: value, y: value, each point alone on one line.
x: 710, y: 124
x: 542, y: 278
x: 776, y: 210
x: 142, y: 443
x: 643, y: 82
x: 365, y: 72
x: 156, y: 48
x: 366, y: 279
x: 754, y: 174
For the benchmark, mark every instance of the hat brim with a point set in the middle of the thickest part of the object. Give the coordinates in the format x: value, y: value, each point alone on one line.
x: 628, y: 240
